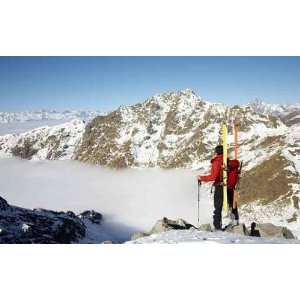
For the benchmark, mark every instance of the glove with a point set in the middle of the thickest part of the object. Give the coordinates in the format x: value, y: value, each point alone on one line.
x: 199, y: 180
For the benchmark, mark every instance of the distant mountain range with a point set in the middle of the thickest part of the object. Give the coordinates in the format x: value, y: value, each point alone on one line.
x: 42, y: 115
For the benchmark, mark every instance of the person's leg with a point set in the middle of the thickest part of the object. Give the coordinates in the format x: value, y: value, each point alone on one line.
x: 230, y: 198
x: 236, y: 213
x: 218, y: 204
x: 235, y: 210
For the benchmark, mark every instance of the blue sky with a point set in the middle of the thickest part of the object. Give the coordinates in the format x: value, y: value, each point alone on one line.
x: 29, y: 83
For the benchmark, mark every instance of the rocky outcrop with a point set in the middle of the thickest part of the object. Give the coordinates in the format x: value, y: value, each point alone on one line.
x: 138, y: 235
x: 92, y: 216
x: 41, y: 226
x: 163, y: 225
x: 166, y: 224
x: 205, y: 227
x: 264, y: 230
x: 269, y: 230
x: 240, y: 229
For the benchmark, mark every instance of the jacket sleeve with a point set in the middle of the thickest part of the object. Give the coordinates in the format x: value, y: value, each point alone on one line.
x: 214, y: 173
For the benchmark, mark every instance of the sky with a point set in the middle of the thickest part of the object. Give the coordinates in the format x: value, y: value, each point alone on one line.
x: 104, y: 83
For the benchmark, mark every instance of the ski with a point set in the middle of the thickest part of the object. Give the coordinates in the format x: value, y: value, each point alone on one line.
x: 224, y: 144
x: 236, y: 194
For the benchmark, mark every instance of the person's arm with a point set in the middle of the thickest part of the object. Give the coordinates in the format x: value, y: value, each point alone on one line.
x: 214, y: 173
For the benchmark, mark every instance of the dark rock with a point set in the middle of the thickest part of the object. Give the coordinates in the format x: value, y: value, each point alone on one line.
x: 70, y: 214
x: 91, y: 215
x: 3, y: 204
x: 23, y: 226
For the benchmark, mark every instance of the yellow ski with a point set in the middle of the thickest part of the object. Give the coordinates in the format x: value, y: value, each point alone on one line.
x: 224, y: 144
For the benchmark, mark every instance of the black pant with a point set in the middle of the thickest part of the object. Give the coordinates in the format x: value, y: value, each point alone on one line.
x: 218, y: 204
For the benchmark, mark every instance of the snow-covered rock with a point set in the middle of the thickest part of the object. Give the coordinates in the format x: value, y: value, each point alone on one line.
x: 166, y: 224
x: 169, y: 231
x: 271, y: 231
x: 261, y: 233
x: 91, y: 215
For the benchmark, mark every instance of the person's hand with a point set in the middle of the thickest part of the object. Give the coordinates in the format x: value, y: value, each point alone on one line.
x: 199, y: 180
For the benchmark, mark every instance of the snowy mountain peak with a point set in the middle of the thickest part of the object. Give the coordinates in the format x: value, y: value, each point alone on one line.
x: 173, y: 97
x: 263, y: 107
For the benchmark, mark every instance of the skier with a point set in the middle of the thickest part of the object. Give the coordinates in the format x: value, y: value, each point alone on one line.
x: 215, y: 176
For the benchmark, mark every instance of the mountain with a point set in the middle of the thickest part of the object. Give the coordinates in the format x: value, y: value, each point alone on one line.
x: 171, y: 130
x: 49, y: 142
x: 288, y: 113
x: 43, y: 115
x: 180, y: 130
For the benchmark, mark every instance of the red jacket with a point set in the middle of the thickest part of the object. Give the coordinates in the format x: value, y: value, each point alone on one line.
x: 216, y: 169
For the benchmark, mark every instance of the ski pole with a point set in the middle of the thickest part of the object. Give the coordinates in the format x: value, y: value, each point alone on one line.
x: 199, y: 184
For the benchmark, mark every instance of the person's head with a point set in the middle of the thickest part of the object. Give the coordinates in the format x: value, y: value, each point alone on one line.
x: 219, y: 150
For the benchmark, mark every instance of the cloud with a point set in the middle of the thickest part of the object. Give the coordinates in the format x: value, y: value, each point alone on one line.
x: 136, y: 198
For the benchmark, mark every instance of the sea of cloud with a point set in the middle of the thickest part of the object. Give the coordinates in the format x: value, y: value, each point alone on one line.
x: 130, y: 200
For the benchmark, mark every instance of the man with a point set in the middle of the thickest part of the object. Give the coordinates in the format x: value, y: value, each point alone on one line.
x: 215, y: 176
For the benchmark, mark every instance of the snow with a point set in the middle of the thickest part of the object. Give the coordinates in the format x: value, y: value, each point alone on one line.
x: 25, y: 227
x: 196, y: 236
x: 68, y: 136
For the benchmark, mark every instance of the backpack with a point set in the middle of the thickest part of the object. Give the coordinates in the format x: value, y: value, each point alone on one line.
x: 233, y: 171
